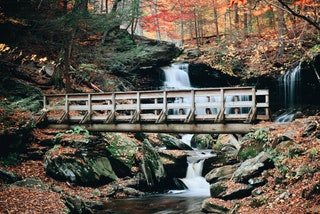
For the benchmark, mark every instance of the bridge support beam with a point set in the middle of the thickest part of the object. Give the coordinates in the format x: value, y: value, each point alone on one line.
x: 230, y: 128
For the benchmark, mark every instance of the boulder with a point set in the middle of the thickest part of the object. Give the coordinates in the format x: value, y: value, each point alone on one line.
x: 221, y: 173
x: 62, y: 164
x: 151, y: 165
x: 193, y: 53
x: 237, y: 191
x: 173, y: 143
x: 214, y: 205
x: 227, y: 140
x: 217, y: 188
x: 226, y: 157
x: 310, y: 129
x: 122, y: 150
x: 9, y: 177
x: 252, y: 167
x: 32, y: 183
x: 158, y: 52
x: 77, y: 206
x: 174, y: 162
x: 284, y: 146
x: 202, y: 141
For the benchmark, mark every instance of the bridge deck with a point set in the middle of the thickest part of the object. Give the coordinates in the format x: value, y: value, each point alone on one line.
x: 159, y: 111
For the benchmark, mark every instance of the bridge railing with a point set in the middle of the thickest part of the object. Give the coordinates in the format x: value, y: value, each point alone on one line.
x: 184, y: 106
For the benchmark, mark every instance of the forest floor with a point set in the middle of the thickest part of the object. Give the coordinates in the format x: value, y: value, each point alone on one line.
x: 293, y: 186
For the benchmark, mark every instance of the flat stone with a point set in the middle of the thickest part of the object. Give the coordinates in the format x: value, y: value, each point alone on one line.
x: 251, y: 168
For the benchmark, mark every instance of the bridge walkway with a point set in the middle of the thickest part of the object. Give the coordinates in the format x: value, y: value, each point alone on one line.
x: 220, y: 110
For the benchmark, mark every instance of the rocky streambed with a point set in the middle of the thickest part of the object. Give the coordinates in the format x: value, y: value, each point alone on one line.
x: 263, y: 170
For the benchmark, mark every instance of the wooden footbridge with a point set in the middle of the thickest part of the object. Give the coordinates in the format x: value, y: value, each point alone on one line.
x: 209, y: 110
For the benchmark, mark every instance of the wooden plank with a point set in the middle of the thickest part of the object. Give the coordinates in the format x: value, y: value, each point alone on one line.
x: 238, y: 104
x: 162, y: 128
x: 260, y: 92
x: 151, y: 106
x: 101, y: 107
x: 262, y: 105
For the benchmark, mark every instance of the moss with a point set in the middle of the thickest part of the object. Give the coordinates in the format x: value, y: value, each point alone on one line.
x: 121, y: 148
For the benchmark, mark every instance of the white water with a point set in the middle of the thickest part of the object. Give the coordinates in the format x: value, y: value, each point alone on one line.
x: 284, y: 118
x: 186, y: 138
x: 177, y: 77
x: 197, y: 185
x: 289, y: 84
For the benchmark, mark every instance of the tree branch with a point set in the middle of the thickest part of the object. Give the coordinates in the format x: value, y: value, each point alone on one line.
x: 310, y: 21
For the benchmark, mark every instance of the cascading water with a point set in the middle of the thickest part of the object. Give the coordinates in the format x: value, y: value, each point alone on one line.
x: 176, y: 77
x: 289, y: 85
x: 197, y: 185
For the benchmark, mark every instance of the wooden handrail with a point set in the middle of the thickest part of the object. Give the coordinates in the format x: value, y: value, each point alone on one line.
x: 207, y: 105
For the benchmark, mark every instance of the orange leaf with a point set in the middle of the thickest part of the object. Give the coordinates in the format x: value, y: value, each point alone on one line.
x: 238, y: 2
x: 302, y: 2
x: 262, y: 11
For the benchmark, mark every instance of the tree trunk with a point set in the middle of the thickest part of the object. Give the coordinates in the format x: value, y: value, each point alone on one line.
x: 216, y: 24
x: 245, y: 24
x: 181, y: 27
x: 156, y: 20
x: 196, y: 27
x: 236, y: 15
x: 281, y: 27
x: 67, y: 56
x: 115, y: 6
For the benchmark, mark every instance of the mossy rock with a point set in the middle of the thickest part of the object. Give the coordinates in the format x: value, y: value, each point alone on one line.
x: 151, y: 165
x: 65, y: 165
x: 202, y: 141
x: 121, y: 148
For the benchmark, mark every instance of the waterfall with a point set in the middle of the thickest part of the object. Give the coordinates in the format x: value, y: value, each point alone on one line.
x: 177, y: 77
x: 289, y: 84
x: 197, y: 185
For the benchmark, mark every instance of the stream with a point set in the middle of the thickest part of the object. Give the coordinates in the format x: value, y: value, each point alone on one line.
x: 186, y: 201
x: 156, y: 204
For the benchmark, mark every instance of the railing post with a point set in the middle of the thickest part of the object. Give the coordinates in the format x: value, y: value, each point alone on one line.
x: 87, y: 115
x: 155, y: 102
x: 136, y: 116
x: 254, y: 98
x: 111, y: 117
x: 236, y: 110
x: 208, y: 110
x: 220, y: 116
x: 163, y: 114
x: 267, y: 102
x: 181, y: 111
x: 253, y: 110
x: 65, y: 115
x: 44, y: 110
x: 192, y: 111
x: 193, y: 100
x: 44, y: 103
